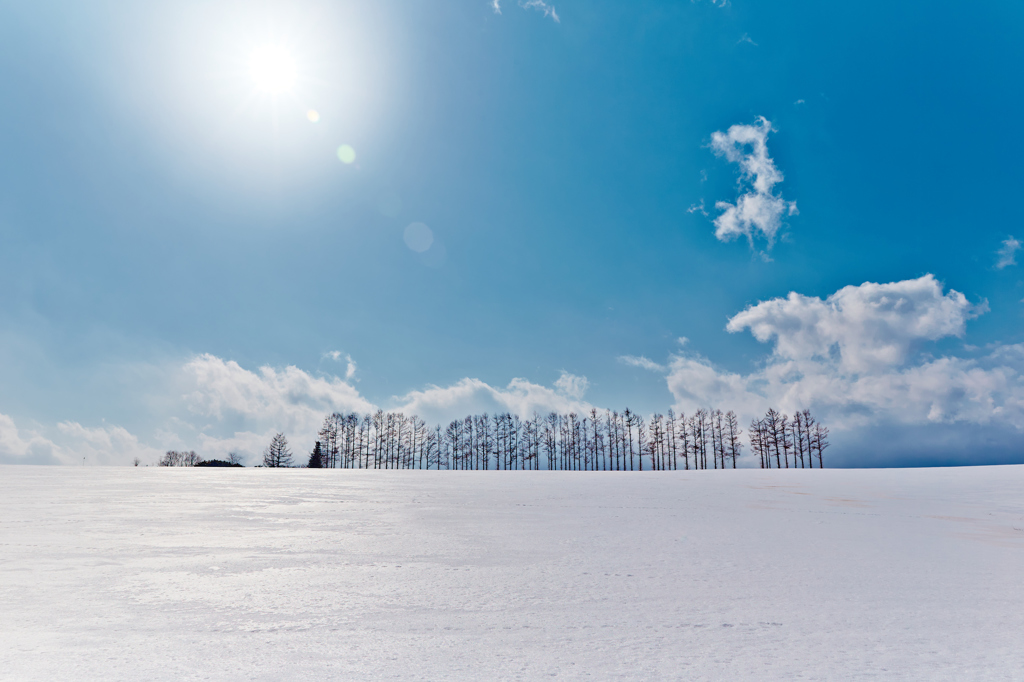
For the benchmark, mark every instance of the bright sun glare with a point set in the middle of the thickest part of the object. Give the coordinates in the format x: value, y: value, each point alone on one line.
x: 273, y: 69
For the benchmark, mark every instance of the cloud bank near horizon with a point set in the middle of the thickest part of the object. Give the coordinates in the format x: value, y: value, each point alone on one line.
x: 223, y: 407
x: 863, y: 359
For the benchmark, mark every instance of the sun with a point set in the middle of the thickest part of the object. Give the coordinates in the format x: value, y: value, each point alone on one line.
x: 272, y: 68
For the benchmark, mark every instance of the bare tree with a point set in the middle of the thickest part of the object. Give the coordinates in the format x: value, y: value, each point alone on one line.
x: 175, y: 458
x: 630, y: 420
x: 796, y: 427
x: 773, y: 429
x: 732, y: 437
x: 785, y: 441
x: 820, y: 441
x: 808, y: 424
x: 756, y: 434
x: 618, y: 441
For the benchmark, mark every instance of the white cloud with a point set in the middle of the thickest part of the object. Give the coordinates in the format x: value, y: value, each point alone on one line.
x: 541, y: 6
x: 71, y: 444
x: 472, y: 396
x: 698, y: 208
x: 216, y: 406
x: 25, y: 446
x: 759, y: 210
x: 286, y: 396
x: 855, y: 359
x: 572, y: 386
x: 745, y: 38
x: 249, y: 407
x: 866, y: 327
x: 641, y: 362
x: 350, y: 364
x: 1008, y: 253
x: 103, y: 445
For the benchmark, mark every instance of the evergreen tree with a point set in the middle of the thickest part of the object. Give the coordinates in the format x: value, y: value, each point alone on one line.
x: 277, y: 454
x: 315, y: 458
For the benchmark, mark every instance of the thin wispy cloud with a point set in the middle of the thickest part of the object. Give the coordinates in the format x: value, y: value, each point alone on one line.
x: 758, y: 210
x: 1008, y: 253
x: 745, y: 38
x: 350, y: 364
x: 541, y: 6
x: 641, y: 362
x: 698, y: 208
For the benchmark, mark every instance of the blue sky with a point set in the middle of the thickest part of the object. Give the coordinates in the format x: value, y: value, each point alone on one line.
x: 186, y: 262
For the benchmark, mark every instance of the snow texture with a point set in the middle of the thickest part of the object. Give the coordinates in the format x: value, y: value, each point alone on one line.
x: 190, y: 574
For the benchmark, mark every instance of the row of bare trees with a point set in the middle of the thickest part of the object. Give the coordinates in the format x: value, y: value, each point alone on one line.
x: 778, y: 437
x: 609, y: 441
x: 175, y: 458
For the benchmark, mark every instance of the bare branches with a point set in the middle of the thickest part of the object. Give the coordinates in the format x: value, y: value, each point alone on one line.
x: 779, y: 436
x: 612, y: 441
x: 173, y: 458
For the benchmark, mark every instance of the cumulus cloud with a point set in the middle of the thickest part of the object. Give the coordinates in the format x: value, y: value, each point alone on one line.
x: 216, y: 407
x: 866, y: 327
x: 496, y: 6
x: 940, y: 390
x: 472, y: 396
x: 1007, y: 254
x: 249, y: 407
x: 857, y: 359
x: 222, y: 388
x: 758, y: 210
x: 103, y: 445
x: 25, y: 446
x: 71, y: 444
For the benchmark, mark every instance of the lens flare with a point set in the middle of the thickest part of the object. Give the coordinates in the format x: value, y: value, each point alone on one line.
x: 272, y: 69
x: 313, y: 115
x: 346, y: 154
x: 418, y: 237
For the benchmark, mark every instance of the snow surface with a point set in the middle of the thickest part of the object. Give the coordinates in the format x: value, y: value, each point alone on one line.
x: 255, y: 574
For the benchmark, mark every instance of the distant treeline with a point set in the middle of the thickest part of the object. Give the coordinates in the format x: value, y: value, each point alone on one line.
x: 176, y: 458
x: 609, y: 441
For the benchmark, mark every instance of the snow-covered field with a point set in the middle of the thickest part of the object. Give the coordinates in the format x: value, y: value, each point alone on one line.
x: 255, y: 574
